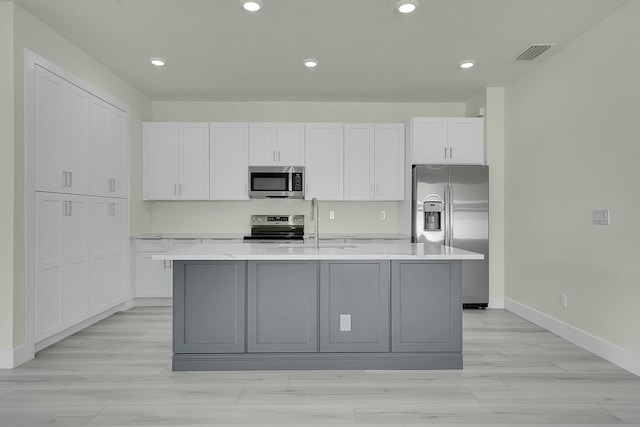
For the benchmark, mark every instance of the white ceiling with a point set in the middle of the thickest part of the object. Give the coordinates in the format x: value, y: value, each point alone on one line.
x: 368, y: 52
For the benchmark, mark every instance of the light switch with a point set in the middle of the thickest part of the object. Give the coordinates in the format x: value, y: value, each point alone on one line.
x: 600, y: 217
x: 345, y: 323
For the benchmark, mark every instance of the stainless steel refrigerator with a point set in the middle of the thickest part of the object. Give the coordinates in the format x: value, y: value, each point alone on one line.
x: 451, y: 207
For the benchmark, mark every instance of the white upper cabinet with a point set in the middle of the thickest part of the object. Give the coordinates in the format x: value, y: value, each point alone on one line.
x: 108, y: 136
x: 324, y: 161
x: 62, y: 135
x: 229, y: 161
x: 359, y: 161
x: 272, y: 144
x: 442, y: 140
x: 466, y: 140
x: 176, y: 161
x: 374, y: 161
x: 390, y: 161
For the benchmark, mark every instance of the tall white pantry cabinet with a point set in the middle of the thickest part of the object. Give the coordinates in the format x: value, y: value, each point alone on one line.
x: 81, y: 212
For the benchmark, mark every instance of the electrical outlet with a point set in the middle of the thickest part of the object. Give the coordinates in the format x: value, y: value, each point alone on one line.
x: 563, y: 300
x: 383, y: 215
x: 332, y: 215
x: 345, y: 323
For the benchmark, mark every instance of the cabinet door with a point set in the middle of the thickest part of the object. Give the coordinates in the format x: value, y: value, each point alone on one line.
x: 152, y: 278
x: 208, y: 309
x: 359, y: 161
x: 75, y: 138
x: 118, y: 152
x: 49, y: 264
x: 290, y: 144
x: 282, y: 306
x: 62, y: 135
x: 262, y: 144
x: 193, y: 142
x: 324, y: 161
x: 429, y: 140
x: 354, y: 306
x: 117, y: 222
x: 426, y: 306
x: 108, y: 150
x: 99, y: 137
x: 99, y: 263
x: 75, y: 255
x: 160, y: 154
x: 229, y: 161
x: 389, y: 161
x: 466, y: 140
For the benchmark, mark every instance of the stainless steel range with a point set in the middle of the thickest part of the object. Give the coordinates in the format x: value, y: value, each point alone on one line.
x: 276, y: 228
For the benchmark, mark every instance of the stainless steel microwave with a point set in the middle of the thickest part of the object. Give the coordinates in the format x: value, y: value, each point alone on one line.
x: 276, y: 182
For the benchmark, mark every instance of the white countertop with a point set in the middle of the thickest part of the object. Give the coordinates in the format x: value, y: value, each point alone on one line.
x: 275, y: 251
x: 231, y: 236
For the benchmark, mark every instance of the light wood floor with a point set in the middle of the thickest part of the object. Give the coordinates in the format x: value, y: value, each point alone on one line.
x: 117, y: 373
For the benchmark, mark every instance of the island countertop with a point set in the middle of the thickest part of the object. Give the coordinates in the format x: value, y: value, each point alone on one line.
x: 306, y: 251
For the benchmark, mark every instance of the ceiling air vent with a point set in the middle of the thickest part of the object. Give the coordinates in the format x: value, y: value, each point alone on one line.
x: 533, y: 51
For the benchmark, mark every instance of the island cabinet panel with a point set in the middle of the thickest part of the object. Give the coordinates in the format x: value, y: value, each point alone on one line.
x: 282, y: 301
x: 209, y: 302
x: 354, y: 306
x: 425, y: 306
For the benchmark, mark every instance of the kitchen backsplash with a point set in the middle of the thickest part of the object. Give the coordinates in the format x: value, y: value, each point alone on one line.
x: 233, y: 217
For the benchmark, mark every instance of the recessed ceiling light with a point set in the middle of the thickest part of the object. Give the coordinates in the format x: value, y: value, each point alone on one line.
x: 311, y: 63
x: 253, y: 5
x: 158, y: 62
x: 466, y: 64
x: 406, y: 6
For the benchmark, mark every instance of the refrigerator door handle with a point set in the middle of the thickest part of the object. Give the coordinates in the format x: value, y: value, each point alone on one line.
x: 450, y: 215
x: 446, y: 215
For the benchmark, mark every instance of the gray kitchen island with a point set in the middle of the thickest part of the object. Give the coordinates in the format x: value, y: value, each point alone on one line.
x: 291, y: 306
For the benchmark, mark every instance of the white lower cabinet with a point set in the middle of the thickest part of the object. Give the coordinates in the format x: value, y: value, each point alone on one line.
x: 81, y: 259
x: 154, y: 279
x: 62, y: 262
x: 108, y: 265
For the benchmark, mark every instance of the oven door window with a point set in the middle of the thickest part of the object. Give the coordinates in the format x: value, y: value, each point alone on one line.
x: 270, y: 182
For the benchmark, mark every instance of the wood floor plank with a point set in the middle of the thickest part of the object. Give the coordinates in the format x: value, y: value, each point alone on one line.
x: 117, y: 373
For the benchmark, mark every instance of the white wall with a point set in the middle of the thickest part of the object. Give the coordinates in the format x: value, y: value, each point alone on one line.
x: 6, y: 175
x: 20, y: 30
x: 350, y: 217
x: 572, y: 146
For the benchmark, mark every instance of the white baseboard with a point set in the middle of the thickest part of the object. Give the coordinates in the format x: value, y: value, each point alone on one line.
x: 624, y: 358
x: 13, y: 357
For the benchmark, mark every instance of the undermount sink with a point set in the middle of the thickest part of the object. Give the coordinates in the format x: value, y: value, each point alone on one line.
x: 322, y: 246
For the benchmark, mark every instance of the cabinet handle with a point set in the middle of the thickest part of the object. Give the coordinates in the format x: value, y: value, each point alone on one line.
x: 70, y: 179
x: 175, y: 189
x: 451, y: 152
x: 180, y: 188
x: 70, y: 205
x: 377, y: 189
x: 278, y: 155
x: 64, y: 178
x: 164, y: 263
x: 273, y: 155
x: 445, y: 152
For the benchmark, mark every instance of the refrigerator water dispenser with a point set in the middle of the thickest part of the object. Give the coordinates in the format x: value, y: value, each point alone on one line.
x: 432, y: 216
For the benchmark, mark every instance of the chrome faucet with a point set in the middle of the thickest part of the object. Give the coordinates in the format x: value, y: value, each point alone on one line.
x: 314, y: 218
